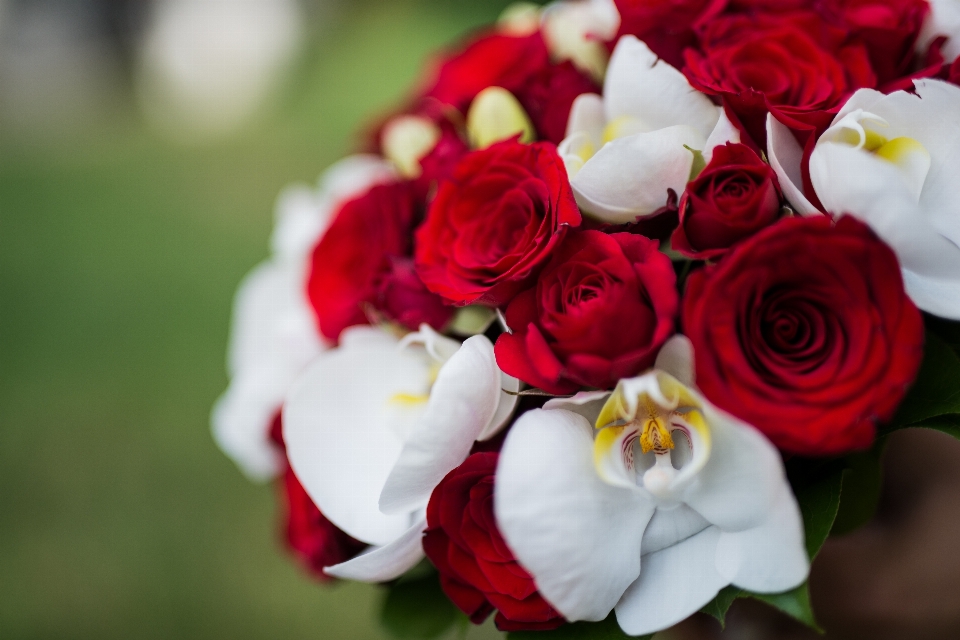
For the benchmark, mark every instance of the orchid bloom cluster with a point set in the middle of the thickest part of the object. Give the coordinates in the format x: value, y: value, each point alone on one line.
x: 567, y: 330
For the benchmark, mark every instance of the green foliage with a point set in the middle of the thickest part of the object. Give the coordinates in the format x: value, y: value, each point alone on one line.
x: 936, y: 391
x: 609, y: 629
x: 416, y: 608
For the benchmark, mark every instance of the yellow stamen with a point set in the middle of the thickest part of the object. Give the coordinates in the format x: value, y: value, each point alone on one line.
x: 409, y: 398
x: 655, y: 435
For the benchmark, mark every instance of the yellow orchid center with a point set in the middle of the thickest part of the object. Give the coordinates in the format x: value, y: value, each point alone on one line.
x: 620, y: 128
x: 413, y: 399
x: 654, y: 434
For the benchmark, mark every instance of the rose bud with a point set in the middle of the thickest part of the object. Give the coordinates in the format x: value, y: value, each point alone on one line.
x: 404, y: 299
x: 600, y: 312
x: 477, y: 570
x: 805, y: 331
x: 356, y: 252
x: 735, y: 196
x: 493, y: 224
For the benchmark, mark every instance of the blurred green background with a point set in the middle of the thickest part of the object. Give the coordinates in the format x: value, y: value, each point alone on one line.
x: 119, y: 255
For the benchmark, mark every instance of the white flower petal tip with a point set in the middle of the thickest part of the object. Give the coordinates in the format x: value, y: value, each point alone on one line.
x: 676, y: 358
x: 892, y: 161
x: 724, y: 133
x: 388, y: 562
x: 344, y: 428
x: 943, y: 20
x: 464, y: 404
x: 786, y: 157
x: 663, y: 474
x: 575, y: 30
x: 626, y: 150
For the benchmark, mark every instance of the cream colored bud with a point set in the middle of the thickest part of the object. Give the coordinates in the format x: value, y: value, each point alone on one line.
x: 519, y: 19
x: 496, y: 115
x: 407, y: 139
x: 575, y: 31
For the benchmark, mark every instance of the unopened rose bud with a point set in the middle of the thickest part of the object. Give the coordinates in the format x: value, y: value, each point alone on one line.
x: 496, y: 115
x: 407, y: 139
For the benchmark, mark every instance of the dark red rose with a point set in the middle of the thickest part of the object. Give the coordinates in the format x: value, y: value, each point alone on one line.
x: 356, y: 252
x: 489, y: 60
x: 805, y: 332
x: 888, y: 28
x: 667, y: 26
x: 477, y: 570
x: 600, y: 312
x: 548, y: 96
x: 791, y: 64
x: 316, y: 541
x: 735, y: 196
x: 493, y: 224
x: 404, y: 299
x: 440, y: 161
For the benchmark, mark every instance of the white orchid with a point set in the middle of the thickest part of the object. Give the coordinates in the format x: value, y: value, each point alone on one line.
x: 653, y: 512
x: 374, y: 425
x: 576, y: 30
x: 891, y: 161
x: 273, y: 335
x: 943, y: 20
x: 624, y: 150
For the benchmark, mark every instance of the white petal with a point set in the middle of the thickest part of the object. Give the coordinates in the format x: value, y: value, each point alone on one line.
x: 676, y: 358
x: 857, y: 183
x: 509, y: 388
x: 629, y: 176
x: 741, y: 480
x: 770, y: 558
x: 341, y: 436
x: 671, y: 526
x: 641, y: 86
x: 586, y: 116
x: 943, y: 20
x: 585, y: 403
x: 674, y: 584
x: 380, y: 564
x: 577, y: 536
x: 463, y: 401
x: 785, y: 156
x: 937, y: 128
x: 722, y: 134
x: 241, y: 420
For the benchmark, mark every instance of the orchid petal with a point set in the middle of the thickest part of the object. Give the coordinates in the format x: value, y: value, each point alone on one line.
x: 341, y: 433
x: 463, y: 401
x: 943, y: 20
x: 785, y: 156
x: 670, y: 526
x: 674, y: 584
x: 629, y: 177
x: 723, y: 133
x: 388, y: 562
x: 578, y: 536
x: 585, y: 403
x: 770, y: 558
x: 641, y: 86
x: 586, y: 116
x: 851, y: 181
x: 676, y: 359
x: 742, y: 478
x: 509, y: 388
x: 241, y: 420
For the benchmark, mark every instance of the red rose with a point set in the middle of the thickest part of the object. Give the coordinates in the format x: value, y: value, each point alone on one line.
x: 477, y: 570
x: 404, y: 299
x: 735, y: 196
x: 316, y: 541
x: 548, y: 96
x: 357, y: 252
x: 489, y: 60
x: 667, y: 26
x: 494, y: 223
x: 888, y: 28
x: 791, y: 64
x: 600, y: 312
x: 805, y: 331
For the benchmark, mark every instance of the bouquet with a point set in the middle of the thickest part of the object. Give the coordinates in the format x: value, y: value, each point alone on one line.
x: 605, y: 319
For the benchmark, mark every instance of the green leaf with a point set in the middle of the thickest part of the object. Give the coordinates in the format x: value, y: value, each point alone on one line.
x: 699, y: 163
x: 819, y: 502
x: 947, y: 424
x: 862, y: 482
x: 609, y: 629
x: 947, y: 330
x: 719, y: 606
x: 415, y: 608
x: 936, y: 391
x: 795, y: 603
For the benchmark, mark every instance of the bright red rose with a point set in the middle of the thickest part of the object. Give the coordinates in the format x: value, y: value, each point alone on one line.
x: 357, y: 252
x: 667, y: 26
x: 494, y: 223
x: 805, y: 332
x: 548, y: 96
x: 600, y: 312
x: 888, y: 28
x: 315, y: 541
x: 791, y: 64
x: 477, y: 570
x: 489, y: 60
x: 404, y: 299
x: 734, y: 197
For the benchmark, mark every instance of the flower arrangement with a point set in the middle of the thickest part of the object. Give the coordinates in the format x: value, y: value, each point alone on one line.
x: 592, y: 334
